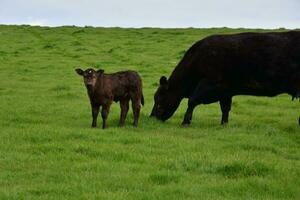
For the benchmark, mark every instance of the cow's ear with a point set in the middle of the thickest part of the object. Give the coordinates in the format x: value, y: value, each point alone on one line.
x: 79, y: 71
x: 100, y: 71
x: 163, y: 80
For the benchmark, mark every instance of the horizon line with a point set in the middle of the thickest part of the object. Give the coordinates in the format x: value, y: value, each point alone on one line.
x: 144, y: 27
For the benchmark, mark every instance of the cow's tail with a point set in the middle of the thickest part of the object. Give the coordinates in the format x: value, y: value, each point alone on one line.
x: 297, y: 96
x: 142, y: 100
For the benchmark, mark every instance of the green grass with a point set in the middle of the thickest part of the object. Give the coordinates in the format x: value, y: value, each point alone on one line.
x: 49, y: 151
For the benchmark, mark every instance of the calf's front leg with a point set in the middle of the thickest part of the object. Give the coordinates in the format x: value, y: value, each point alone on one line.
x: 104, y: 114
x: 95, y: 112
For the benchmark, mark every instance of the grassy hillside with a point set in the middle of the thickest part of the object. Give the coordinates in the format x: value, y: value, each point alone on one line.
x: 49, y: 151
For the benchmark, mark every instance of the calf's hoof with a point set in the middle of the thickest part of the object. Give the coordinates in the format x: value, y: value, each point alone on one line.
x: 121, y: 124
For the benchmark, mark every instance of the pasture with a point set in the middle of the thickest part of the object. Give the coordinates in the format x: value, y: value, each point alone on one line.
x: 49, y: 151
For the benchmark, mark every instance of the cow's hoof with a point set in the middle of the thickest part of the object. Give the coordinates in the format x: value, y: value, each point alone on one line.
x: 185, y: 125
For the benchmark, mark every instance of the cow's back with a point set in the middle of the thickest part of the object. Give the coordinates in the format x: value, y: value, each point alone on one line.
x: 242, y: 62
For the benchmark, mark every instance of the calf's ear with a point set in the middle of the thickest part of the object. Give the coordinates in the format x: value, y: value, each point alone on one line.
x: 163, y: 80
x: 79, y: 71
x: 100, y: 71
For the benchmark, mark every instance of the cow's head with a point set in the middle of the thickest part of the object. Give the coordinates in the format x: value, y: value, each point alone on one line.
x: 89, y: 76
x: 165, y: 101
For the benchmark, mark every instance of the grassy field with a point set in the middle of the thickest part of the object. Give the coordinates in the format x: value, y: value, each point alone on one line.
x: 49, y: 151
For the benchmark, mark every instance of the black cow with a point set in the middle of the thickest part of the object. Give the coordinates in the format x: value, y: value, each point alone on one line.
x: 222, y: 66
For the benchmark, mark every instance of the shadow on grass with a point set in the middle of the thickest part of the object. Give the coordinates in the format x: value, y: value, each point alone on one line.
x: 242, y: 170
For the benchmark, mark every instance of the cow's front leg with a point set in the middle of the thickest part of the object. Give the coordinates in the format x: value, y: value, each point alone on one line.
x: 104, y: 114
x: 225, y: 104
x: 189, y: 113
x: 205, y: 93
x: 95, y: 112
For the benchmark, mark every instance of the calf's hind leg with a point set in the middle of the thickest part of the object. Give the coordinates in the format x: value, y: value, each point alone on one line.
x: 136, y: 107
x: 124, y: 104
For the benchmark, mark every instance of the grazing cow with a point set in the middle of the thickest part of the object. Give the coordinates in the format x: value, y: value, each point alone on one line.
x: 222, y: 66
x: 103, y: 89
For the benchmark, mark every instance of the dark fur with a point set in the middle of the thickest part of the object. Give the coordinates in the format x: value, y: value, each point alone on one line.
x: 222, y: 66
x: 120, y: 86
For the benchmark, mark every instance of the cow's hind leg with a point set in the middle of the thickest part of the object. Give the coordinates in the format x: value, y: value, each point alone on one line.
x: 225, y: 104
x: 136, y: 107
x: 205, y: 93
x: 124, y: 104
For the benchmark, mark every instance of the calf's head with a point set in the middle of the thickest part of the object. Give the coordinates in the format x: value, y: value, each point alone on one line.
x: 89, y: 76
